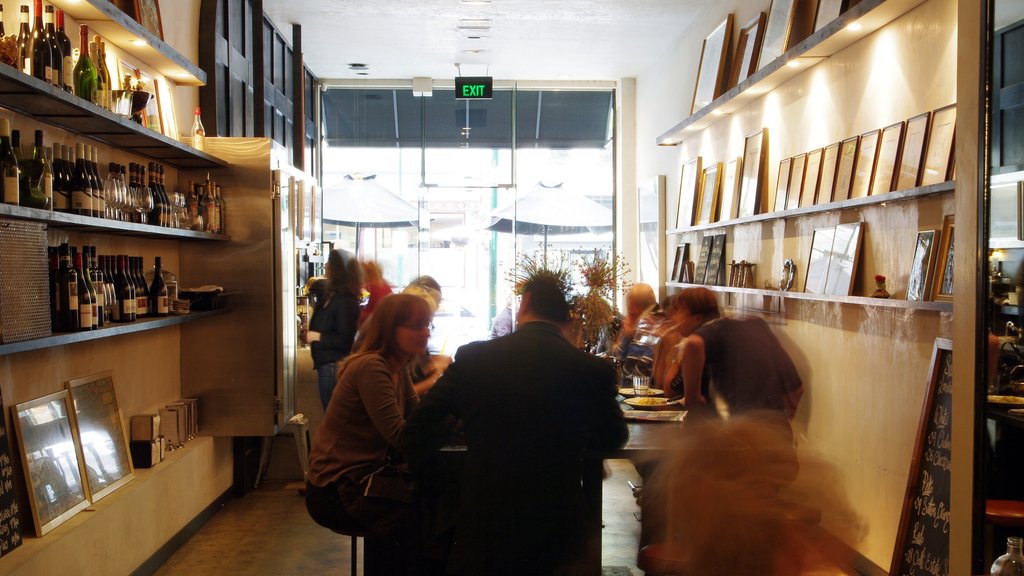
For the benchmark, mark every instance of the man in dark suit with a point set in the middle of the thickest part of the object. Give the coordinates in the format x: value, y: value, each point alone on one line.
x: 530, y: 404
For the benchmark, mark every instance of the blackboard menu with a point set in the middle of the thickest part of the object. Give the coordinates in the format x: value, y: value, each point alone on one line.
x: 10, y: 526
x: 922, y: 543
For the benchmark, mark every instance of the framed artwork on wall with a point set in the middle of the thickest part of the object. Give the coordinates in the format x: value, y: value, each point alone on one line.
x: 147, y: 13
x: 829, y: 162
x: 812, y: 175
x: 51, y: 460
x: 942, y: 285
x: 752, y: 185
x: 782, y: 184
x: 748, y: 48
x: 921, y: 268
x: 888, y: 159
x: 708, y: 209
x: 680, y: 261
x: 842, y: 265
x: 912, y: 152
x: 101, y: 430
x: 165, y: 109
x: 844, y: 170
x: 729, y: 197
x: 716, y: 261
x: 867, y: 152
x: 817, y: 261
x: 796, y: 181
x: 689, y: 182
x: 777, y: 31
x: 711, y: 72
x: 828, y: 10
x: 938, y: 156
x: 700, y: 270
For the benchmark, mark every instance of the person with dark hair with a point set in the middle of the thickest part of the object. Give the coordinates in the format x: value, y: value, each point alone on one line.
x: 520, y: 506
x: 332, y: 329
x: 361, y: 429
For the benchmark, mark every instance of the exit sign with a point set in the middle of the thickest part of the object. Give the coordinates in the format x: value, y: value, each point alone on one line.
x: 473, y: 87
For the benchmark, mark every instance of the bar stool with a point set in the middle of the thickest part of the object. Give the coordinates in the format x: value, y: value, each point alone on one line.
x: 1002, y: 514
x: 297, y: 427
x: 354, y: 535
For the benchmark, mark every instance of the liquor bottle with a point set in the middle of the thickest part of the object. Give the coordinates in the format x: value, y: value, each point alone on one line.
x: 68, y: 67
x: 91, y: 287
x: 56, y: 52
x: 103, y: 85
x: 211, y: 205
x: 8, y: 165
x: 99, y: 282
x: 38, y: 187
x: 221, y: 228
x: 98, y: 190
x: 81, y: 191
x: 125, y: 292
x: 141, y: 290
x: 24, y: 41
x: 156, y: 216
x: 85, y: 72
x: 1011, y: 563
x: 198, y: 132
x: 85, y: 296
x: 67, y: 292
x: 158, y: 304
x: 24, y: 187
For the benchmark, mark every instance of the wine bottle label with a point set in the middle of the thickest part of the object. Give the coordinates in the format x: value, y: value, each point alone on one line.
x: 51, y: 75
x: 72, y: 296
x: 11, y: 189
x: 85, y: 315
x: 161, y: 305
x: 27, y: 68
x: 69, y: 71
x: 141, y: 305
x: 115, y: 313
x: 48, y: 187
x: 100, y: 297
x: 81, y: 200
x: 94, y: 318
x: 61, y: 201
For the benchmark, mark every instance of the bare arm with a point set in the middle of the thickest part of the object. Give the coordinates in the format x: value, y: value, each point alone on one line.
x: 692, y: 365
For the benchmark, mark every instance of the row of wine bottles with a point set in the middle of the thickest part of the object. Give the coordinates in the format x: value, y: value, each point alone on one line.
x: 88, y: 292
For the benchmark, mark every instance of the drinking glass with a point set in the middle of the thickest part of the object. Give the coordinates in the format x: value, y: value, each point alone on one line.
x: 642, y: 385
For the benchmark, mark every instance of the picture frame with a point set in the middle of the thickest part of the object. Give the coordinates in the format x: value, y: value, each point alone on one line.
x: 942, y: 284
x: 782, y: 184
x: 796, y: 181
x: 729, y: 197
x: 938, y: 155
x: 716, y: 261
x: 888, y: 159
x: 777, y: 31
x: 812, y: 176
x: 708, y: 209
x: 828, y: 10
x: 165, y: 109
x: 711, y: 69
x: 147, y: 13
x: 912, y: 151
x: 51, y: 460
x: 752, y: 184
x: 650, y: 197
x: 829, y: 164
x: 922, y: 265
x: 845, y: 168
x: 842, y: 264
x: 689, y: 181
x: 818, y: 259
x: 101, y: 432
x: 682, y: 258
x: 700, y: 270
x: 864, y: 173
x: 748, y: 49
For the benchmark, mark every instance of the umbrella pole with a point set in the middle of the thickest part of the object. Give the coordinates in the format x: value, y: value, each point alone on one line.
x: 357, y: 239
x: 545, y: 245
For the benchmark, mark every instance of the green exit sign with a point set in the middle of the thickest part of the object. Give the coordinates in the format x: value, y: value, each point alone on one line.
x: 473, y: 87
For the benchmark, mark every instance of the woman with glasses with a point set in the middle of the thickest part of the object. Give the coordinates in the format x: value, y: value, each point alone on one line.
x: 332, y: 329
x: 361, y: 428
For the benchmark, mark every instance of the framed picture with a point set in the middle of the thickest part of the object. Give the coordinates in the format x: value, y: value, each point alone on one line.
x: 829, y: 163
x: 752, y: 185
x: 796, y: 181
x: 938, y: 156
x: 817, y: 261
x: 689, y: 180
x: 728, y: 204
x: 748, y: 48
x: 102, y: 433
x: 702, y: 260
x: 888, y: 159
x: 716, y: 261
x: 782, y: 184
x: 921, y: 268
x: 812, y: 175
x: 711, y: 73
x: 679, y: 264
x: 912, y: 152
x: 828, y: 10
x: 777, y: 31
x: 867, y: 151
x: 708, y: 210
x: 147, y: 13
x: 842, y: 265
x: 165, y: 109
x: 844, y: 170
x: 50, y: 458
x: 942, y: 286
x: 649, y: 198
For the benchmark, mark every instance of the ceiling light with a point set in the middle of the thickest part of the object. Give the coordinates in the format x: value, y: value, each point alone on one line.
x: 854, y: 26
x: 362, y: 73
x: 138, y: 42
x: 358, y: 66
x: 474, y: 24
x: 793, y: 64
x: 476, y: 2
x: 473, y: 51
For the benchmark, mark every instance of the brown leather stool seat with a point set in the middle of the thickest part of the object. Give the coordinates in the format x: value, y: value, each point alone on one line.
x: 1006, y: 513
x: 659, y: 560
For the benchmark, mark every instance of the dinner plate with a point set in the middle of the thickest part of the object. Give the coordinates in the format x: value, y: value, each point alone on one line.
x: 629, y: 392
x: 655, y: 416
x: 649, y: 403
x: 1006, y: 400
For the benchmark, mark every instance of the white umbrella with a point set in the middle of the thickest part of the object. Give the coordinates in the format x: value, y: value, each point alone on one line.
x: 361, y: 202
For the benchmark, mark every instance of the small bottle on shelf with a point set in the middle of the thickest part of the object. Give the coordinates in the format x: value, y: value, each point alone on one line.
x: 9, y: 171
x: 141, y: 290
x: 98, y: 284
x: 198, y: 132
x: 39, y: 177
x: 68, y: 79
x: 158, y: 304
x: 103, y: 85
x: 85, y: 295
x: 66, y: 292
x: 85, y: 71
x: 24, y: 41
x: 81, y: 185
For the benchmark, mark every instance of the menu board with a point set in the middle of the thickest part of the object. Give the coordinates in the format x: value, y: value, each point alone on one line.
x: 922, y: 542
x: 10, y: 527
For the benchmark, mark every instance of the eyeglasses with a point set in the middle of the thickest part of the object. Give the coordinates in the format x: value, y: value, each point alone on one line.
x: 429, y: 326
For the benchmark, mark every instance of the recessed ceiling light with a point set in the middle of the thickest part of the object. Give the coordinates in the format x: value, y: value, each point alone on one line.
x: 357, y: 66
x: 474, y: 24
x: 793, y: 64
x: 476, y: 2
x: 854, y: 26
x: 362, y: 73
x: 138, y: 42
x: 473, y: 51
x: 475, y: 37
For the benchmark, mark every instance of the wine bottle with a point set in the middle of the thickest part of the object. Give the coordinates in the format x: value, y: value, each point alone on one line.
x: 98, y: 189
x: 68, y: 67
x: 48, y: 178
x: 198, y: 132
x: 158, y: 304
x: 54, y: 265
x: 24, y: 41
x: 125, y: 292
x: 38, y: 188
x: 156, y: 215
x: 168, y: 199
x: 81, y: 192
x: 85, y: 72
x: 106, y: 265
x: 67, y: 292
x: 62, y: 179
x: 91, y: 287
x: 56, y: 52
x: 43, y: 62
x: 100, y: 284
x: 8, y: 165
x: 102, y: 73
x: 85, y: 295
x: 24, y: 187
x: 141, y: 290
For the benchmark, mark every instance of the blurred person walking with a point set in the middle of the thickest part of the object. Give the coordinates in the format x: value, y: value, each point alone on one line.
x: 332, y: 329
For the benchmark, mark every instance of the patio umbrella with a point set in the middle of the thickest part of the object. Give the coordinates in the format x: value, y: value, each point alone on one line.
x: 361, y: 202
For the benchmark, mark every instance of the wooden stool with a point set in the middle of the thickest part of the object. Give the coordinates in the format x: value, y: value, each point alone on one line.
x: 297, y: 427
x: 1004, y: 514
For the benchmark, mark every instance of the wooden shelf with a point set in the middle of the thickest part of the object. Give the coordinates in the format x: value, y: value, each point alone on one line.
x: 108, y: 332
x: 856, y: 300
x: 833, y: 37
x: 106, y: 226
x: 46, y: 103
x: 130, y: 37
x: 897, y: 196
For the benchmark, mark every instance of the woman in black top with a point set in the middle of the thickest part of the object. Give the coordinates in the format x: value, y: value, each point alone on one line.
x: 333, y: 326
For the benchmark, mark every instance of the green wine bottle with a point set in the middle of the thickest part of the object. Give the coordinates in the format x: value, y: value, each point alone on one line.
x: 85, y: 71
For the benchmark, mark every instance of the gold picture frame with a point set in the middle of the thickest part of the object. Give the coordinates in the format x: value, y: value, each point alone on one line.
x: 888, y: 159
x: 812, y: 176
x: 828, y: 10
x: 942, y: 284
x: 748, y: 48
x: 165, y: 108
x: 101, y: 432
x: 708, y: 209
x: 711, y: 71
x: 782, y: 184
x: 829, y: 164
x: 752, y: 185
x: 864, y: 173
x: 777, y: 31
x: 51, y: 459
x: 689, y: 182
x: 912, y: 151
x: 730, y: 195
x: 796, y: 181
x: 938, y: 155
x: 845, y: 168
x: 147, y: 13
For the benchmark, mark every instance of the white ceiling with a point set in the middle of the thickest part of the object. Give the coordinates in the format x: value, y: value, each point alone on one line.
x: 528, y: 39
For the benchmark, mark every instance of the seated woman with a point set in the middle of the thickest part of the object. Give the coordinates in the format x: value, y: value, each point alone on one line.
x: 361, y: 428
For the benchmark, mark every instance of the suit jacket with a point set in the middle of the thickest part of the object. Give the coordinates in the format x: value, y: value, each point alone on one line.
x: 530, y: 404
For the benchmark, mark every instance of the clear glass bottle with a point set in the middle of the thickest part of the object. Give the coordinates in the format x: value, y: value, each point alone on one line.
x: 1011, y: 563
x: 198, y: 132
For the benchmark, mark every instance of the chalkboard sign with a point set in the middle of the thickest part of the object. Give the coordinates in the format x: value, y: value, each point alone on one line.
x: 922, y: 543
x: 10, y: 527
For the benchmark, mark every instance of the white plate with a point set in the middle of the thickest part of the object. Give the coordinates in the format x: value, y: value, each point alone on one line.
x: 629, y: 392
x: 649, y: 403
